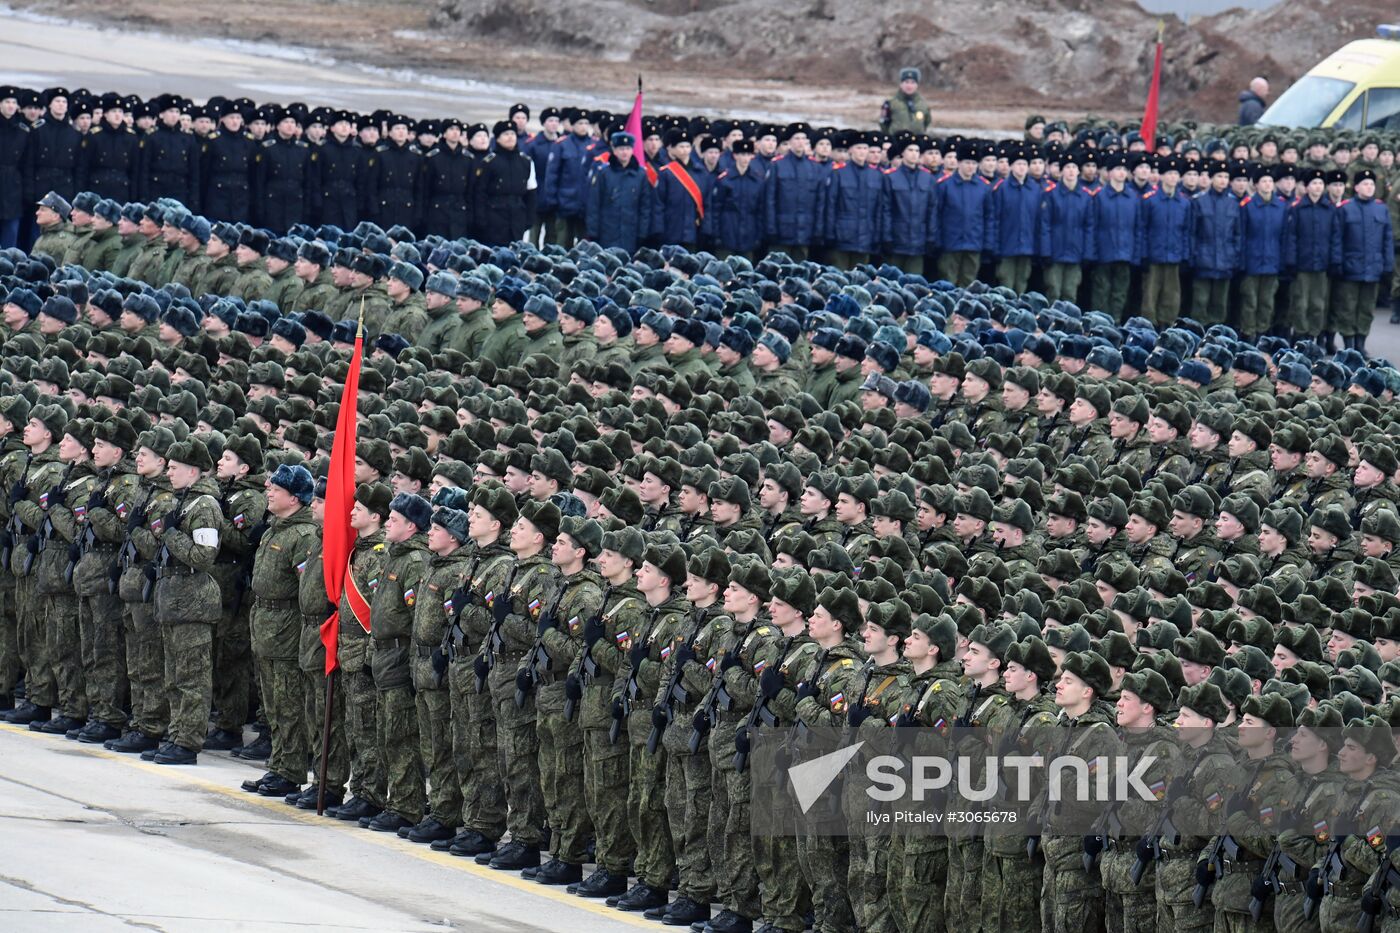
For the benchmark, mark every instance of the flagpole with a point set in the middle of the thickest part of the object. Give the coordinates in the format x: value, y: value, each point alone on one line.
x: 326, y: 721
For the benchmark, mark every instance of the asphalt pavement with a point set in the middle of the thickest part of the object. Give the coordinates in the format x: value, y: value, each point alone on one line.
x: 97, y: 841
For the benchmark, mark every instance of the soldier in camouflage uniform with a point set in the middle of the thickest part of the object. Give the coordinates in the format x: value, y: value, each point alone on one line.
x: 661, y: 625
x: 353, y: 649
x: 14, y: 413
x: 187, y: 598
x: 577, y: 597
x: 1198, y: 549
x: 474, y: 751
x: 38, y: 472
x: 282, y: 555
x: 391, y: 627
x: 1150, y: 547
x: 103, y: 532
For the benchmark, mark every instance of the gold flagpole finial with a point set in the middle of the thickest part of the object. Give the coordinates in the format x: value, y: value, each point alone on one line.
x: 360, y: 333
x: 1161, y: 29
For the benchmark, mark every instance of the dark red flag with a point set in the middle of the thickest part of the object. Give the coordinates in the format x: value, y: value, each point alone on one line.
x: 339, y: 538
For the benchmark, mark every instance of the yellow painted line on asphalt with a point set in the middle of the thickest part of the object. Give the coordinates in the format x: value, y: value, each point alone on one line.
x: 183, y: 774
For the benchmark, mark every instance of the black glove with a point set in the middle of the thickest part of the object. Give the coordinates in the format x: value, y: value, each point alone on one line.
x: 593, y: 631
x: 1143, y: 849
x: 700, y: 721
x: 1205, y: 874
x: 97, y: 500
x: 501, y: 608
x: 741, y: 740
x: 439, y: 662
x: 18, y: 493
x: 727, y: 660
x: 808, y: 688
x: 480, y: 667
x: 771, y: 683
x: 659, y: 719
x: 618, y: 711
x: 523, y: 681
x: 858, y: 713
x: 1312, y: 885
x: 573, y: 688
x: 546, y: 623
x: 135, y: 520
x: 684, y: 652
x: 1093, y: 845
x: 58, y: 496
x: 637, y: 654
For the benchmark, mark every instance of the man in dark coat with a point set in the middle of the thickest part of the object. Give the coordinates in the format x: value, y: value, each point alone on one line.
x: 792, y: 188
x: 503, y: 191
x: 734, y: 217
x: 851, y: 200
x: 169, y: 165
x: 51, y: 156
x: 566, y: 177
x: 226, y: 170
x: 620, y: 198
x: 394, y: 177
x: 14, y: 137
x: 680, y: 193
x: 338, y: 175
x: 444, y: 185
x: 281, y: 169
x: 1252, y: 102
x: 107, y: 155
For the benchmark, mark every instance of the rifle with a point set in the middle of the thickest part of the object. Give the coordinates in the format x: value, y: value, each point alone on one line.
x: 85, y: 541
x: 39, y: 539
x: 629, y: 694
x: 1265, y: 885
x: 1373, y: 897
x: 1225, y: 847
x: 500, y: 605
x: 1149, y: 847
x: 1332, y: 865
x: 19, y: 490
x: 1105, y: 832
x: 127, y: 555
x: 244, y: 580
x: 717, y: 699
x: 587, y: 665
x: 675, y: 691
x: 965, y: 720
x: 538, y: 658
x: 760, y: 713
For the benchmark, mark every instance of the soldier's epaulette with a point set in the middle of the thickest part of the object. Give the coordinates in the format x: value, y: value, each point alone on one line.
x: 269, y: 142
x: 942, y: 179
x: 94, y: 131
x: 1149, y: 194
x: 1093, y: 192
x: 213, y: 135
x: 983, y: 178
x: 1246, y: 200
x: 778, y: 158
x: 302, y: 143
x: 723, y: 174
x: 1344, y: 202
x: 432, y: 152
x: 1049, y: 186
x: 378, y: 547
x: 764, y: 630
x: 413, y: 147
x: 489, y: 157
x: 38, y: 123
x: 891, y: 170
x: 23, y: 126
x: 836, y: 165
x: 250, y: 137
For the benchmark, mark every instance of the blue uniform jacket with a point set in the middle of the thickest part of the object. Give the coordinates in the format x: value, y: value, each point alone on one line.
x: 1363, y: 244
x: 621, y: 203
x: 1261, y: 228
x: 908, y: 211
x: 1164, y: 227
x: 734, y: 215
x: 566, y: 175
x: 851, y: 207
x: 791, y: 192
x: 1215, y: 235
x: 964, y: 219
x: 1116, y: 225
x: 1066, y: 224
x: 1016, y: 206
x: 677, y: 217
x: 1307, y: 235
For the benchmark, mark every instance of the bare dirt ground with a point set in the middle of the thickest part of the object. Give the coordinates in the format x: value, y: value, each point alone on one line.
x: 403, y: 37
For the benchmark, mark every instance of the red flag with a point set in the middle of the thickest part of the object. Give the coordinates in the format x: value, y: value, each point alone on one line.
x: 1149, y: 116
x: 339, y: 538
x: 634, y: 127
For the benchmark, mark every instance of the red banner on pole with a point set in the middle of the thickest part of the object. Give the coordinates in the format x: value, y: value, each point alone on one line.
x: 338, y: 537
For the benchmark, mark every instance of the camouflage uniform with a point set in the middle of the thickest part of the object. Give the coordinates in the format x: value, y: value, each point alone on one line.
x: 311, y: 658
x: 145, y: 650
x: 1129, y: 907
x: 433, y: 607
x: 244, y: 507
x: 275, y: 623
x: 353, y: 650
x: 1197, y: 557
x: 1206, y: 787
x: 40, y: 473
x: 391, y: 627
x: 1268, y: 799
x: 59, y: 530
x: 187, y: 606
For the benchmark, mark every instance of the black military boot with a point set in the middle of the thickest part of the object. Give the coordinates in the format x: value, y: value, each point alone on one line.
x: 728, y: 922
x: 515, y: 856
x: 430, y: 831
x: 59, y: 725
x: 602, y: 883
x: 173, y: 754
x: 308, y: 800
x: 386, y: 822
x: 132, y: 743
x: 252, y: 786
x: 278, y: 786
x: 683, y: 912
x: 222, y: 740
x: 98, y: 733
x: 356, y: 809
x: 260, y: 749
x: 26, y: 713
x: 642, y: 897
x: 559, y: 872
x: 469, y: 843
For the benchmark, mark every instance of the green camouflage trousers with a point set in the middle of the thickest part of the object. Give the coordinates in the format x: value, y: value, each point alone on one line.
x: 784, y: 896
x: 923, y: 872
x: 1308, y: 302
x: 474, y: 753
x: 10, y: 667
x: 397, y: 732
x: 867, y: 883
x: 731, y: 845
x: 66, y: 652
x: 189, y: 680
x: 233, y: 669
x: 284, y: 700
x: 100, y: 631
x: 561, y: 776
x: 1128, y: 908
x: 314, y: 703
x: 825, y: 863
x: 1011, y: 893
x: 687, y: 813
x: 435, y: 750
x: 1071, y: 900
x: 518, y: 757
x: 1176, y: 879
x: 39, y: 680
x: 361, y: 738
x: 1341, y: 908
x: 145, y: 670
x: 964, y: 894
x: 646, y: 810
x: 605, y: 793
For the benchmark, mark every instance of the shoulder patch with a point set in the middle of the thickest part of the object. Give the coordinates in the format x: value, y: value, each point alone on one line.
x: 269, y: 142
